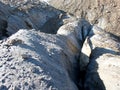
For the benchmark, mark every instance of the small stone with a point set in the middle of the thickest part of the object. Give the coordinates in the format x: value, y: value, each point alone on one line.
x: 26, y: 84
x: 25, y: 56
x: 3, y: 81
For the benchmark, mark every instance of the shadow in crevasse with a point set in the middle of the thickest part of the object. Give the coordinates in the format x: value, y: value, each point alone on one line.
x: 89, y: 78
x: 92, y: 79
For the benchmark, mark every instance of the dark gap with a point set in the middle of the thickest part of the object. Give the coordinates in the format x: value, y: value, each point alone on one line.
x: 29, y: 25
x: 80, y: 76
x: 3, y: 27
x: 82, y: 31
x: 82, y: 79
